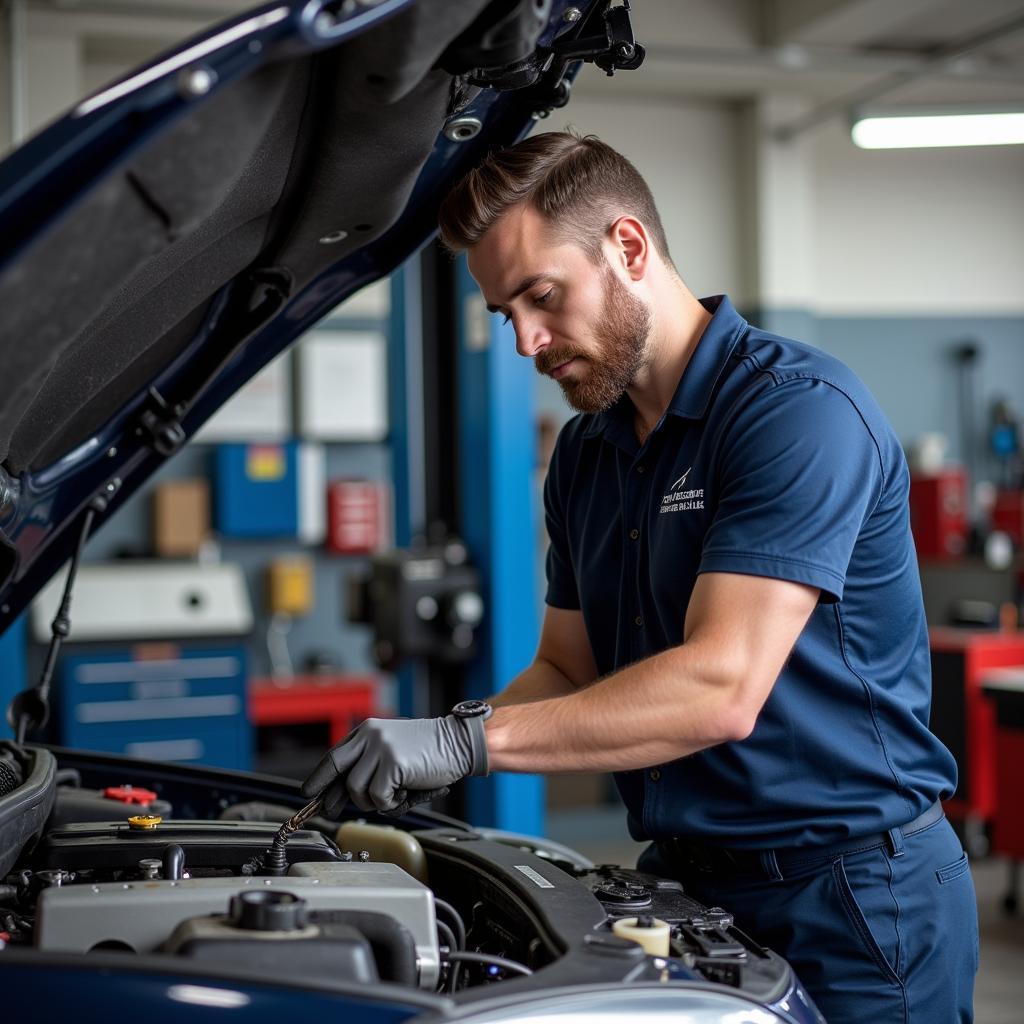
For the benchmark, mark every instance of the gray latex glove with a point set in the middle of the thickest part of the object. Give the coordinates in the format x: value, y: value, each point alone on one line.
x: 390, y: 764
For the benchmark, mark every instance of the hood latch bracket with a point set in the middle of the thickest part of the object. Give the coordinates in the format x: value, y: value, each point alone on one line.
x: 162, y: 424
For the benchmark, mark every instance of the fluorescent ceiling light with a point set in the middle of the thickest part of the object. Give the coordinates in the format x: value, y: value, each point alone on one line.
x: 923, y: 130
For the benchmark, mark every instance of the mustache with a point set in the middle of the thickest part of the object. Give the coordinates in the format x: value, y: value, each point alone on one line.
x: 547, y: 360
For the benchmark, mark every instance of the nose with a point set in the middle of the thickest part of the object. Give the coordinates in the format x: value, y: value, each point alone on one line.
x: 531, y: 336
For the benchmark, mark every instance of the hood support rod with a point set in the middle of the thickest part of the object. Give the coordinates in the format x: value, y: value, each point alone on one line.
x: 30, y: 709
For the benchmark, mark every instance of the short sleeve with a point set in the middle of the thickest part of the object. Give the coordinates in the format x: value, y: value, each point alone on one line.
x: 798, y: 474
x: 562, y: 591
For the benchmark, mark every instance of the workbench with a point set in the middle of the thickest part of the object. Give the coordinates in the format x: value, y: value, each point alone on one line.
x: 965, y: 720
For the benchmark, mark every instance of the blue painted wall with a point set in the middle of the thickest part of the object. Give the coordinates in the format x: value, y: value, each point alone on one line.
x: 906, y: 361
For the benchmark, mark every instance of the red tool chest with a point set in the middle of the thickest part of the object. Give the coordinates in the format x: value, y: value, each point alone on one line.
x: 938, y: 513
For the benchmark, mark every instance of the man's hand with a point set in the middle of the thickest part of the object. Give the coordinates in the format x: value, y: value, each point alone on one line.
x: 391, y: 764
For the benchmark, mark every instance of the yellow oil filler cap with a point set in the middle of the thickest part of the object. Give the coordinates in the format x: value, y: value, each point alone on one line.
x: 144, y: 822
x: 649, y: 932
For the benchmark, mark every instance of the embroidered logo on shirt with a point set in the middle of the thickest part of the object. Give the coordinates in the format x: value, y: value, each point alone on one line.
x: 680, y: 500
x: 682, y: 480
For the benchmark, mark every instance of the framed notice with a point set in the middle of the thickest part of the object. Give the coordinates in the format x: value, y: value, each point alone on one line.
x: 342, y: 386
x: 261, y: 410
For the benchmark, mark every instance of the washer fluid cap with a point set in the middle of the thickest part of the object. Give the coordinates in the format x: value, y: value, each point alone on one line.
x: 130, y: 794
x: 264, y: 910
x: 648, y: 932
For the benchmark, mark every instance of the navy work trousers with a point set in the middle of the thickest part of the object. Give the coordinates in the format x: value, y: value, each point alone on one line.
x: 885, y: 935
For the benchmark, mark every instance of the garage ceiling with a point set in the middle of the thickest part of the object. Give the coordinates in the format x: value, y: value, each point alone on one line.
x: 827, y: 51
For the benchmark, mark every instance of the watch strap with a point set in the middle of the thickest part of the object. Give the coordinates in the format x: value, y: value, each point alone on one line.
x: 474, y: 726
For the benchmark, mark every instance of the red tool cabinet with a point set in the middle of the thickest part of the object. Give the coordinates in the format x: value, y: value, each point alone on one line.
x: 938, y: 513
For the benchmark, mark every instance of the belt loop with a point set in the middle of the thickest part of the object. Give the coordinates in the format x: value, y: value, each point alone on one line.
x: 896, y: 842
x: 771, y: 866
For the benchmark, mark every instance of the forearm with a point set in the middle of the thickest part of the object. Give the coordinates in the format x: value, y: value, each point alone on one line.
x: 660, y: 709
x: 541, y: 681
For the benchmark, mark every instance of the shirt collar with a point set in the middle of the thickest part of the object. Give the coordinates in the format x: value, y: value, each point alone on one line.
x: 693, y: 393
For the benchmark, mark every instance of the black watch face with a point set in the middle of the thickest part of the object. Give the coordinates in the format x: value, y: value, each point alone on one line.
x: 469, y: 708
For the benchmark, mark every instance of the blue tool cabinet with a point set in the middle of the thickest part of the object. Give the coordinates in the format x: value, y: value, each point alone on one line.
x: 188, y: 706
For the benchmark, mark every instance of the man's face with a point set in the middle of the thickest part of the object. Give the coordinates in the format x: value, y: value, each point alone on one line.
x: 581, y: 325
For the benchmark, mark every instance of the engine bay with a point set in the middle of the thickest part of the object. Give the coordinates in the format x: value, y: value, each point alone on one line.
x: 102, y: 855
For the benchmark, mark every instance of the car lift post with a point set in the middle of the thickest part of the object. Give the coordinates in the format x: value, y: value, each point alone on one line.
x: 498, y: 452
x: 464, y: 457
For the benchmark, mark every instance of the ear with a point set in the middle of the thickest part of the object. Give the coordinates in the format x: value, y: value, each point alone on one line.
x: 631, y: 245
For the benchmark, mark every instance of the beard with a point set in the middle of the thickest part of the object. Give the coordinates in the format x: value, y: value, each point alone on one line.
x: 611, y: 365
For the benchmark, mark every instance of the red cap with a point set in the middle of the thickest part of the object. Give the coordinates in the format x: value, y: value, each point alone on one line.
x: 130, y: 794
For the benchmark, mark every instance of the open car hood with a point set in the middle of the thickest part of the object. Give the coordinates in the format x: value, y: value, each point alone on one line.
x: 175, y: 231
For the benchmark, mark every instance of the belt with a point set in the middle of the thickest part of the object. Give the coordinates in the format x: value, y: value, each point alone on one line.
x: 682, y: 852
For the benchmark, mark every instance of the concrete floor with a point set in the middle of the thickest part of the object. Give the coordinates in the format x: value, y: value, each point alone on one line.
x: 999, y: 990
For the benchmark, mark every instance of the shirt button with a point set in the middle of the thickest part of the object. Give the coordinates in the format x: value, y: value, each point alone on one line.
x: 655, y: 775
x: 638, y: 621
x: 633, y: 534
x: 640, y: 468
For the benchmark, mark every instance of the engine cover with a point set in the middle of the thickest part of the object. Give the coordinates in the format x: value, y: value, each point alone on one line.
x: 141, y: 916
x: 106, y: 845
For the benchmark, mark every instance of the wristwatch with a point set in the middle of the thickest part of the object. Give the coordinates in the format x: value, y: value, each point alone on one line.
x: 473, y: 709
x: 473, y: 714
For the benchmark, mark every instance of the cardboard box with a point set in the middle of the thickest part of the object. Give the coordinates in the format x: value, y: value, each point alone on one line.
x: 181, y: 517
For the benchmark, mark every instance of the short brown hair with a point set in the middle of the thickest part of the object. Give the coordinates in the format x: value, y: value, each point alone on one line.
x: 577, y: 182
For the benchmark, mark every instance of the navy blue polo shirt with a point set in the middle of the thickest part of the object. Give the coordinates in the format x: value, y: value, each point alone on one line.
x: 772, y: 460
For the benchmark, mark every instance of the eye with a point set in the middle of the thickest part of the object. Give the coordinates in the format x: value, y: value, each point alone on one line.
x: 505, y: 319
x: 541, y: 299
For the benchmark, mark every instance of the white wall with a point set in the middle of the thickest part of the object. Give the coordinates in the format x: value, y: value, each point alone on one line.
x: 890, y: 232
x: 688, y: 154
x: 918, y: 231
x: 65, y: 54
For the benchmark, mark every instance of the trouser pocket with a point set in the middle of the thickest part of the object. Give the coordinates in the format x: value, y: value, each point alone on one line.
x: 954, y: 877
x: 863, y: 884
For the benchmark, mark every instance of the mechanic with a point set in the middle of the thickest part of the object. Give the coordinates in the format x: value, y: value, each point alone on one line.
x: 734, y: 622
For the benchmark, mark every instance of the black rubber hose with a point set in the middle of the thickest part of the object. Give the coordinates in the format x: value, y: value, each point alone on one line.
x: 447, y: 935
x: 454, y: 919
x: 490, y: 961
x: 174, y: 862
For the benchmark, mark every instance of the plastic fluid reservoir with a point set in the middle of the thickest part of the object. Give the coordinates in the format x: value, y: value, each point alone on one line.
x: 386, y: 844
x: 649, y: 932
